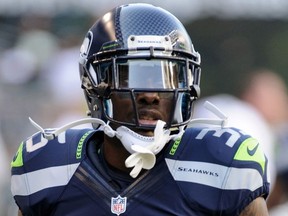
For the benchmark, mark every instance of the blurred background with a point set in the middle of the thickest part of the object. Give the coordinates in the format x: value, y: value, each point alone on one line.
x: 243, y: 45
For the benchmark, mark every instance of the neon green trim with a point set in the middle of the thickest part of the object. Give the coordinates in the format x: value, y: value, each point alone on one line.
x: 110, y: 46
x: 250, y: 150
x: 175, y: 146
x: 80, y: 145
x: 18, y: 159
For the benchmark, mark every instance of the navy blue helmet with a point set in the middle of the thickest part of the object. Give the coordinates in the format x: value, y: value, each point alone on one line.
x: 138, y: 48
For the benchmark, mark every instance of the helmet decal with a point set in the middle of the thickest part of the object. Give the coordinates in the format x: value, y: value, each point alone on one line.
x: 135, y: 41
x: 85, y: 47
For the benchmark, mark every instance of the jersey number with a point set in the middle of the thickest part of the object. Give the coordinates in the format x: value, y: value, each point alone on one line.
x: 30, y: 146
x: 234, y: 135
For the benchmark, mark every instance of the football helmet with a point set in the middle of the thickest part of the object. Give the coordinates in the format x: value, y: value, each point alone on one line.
x: 138, y: 48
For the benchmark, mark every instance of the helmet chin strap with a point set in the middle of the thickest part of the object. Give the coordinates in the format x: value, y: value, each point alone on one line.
x: 143, y: 149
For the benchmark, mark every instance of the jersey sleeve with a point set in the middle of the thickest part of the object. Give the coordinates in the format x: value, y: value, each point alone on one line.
x: 41, y: 168
x: 248, y: 174
x: 219, y: 170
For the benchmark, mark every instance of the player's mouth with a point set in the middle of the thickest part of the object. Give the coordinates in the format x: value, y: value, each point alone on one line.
x: 149, y: 117
x: 144, y: 121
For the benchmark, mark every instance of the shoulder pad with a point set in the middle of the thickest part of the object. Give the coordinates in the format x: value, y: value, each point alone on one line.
x: 37, y: 152
x: 214, y: 140
x: 227, y: 162
x: 227, y: 147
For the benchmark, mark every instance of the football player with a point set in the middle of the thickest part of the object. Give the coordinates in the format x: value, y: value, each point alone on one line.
x: 140, y: 75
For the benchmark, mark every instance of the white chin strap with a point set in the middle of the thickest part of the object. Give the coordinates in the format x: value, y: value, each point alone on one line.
x: 143, y: 149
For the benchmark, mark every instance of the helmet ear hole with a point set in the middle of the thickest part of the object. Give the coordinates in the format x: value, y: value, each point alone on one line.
x: 195, y: 91
x: 96, y: 110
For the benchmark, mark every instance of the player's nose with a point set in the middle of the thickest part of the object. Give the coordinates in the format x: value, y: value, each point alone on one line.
x: 148, y: 98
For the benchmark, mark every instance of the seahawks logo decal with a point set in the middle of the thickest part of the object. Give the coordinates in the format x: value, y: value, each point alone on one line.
x: 85, y: 47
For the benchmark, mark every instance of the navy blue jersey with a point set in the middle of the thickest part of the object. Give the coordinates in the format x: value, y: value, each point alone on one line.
x: 209, y: 171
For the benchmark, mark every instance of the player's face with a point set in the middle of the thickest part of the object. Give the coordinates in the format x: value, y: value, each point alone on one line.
x: 150, y: 107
